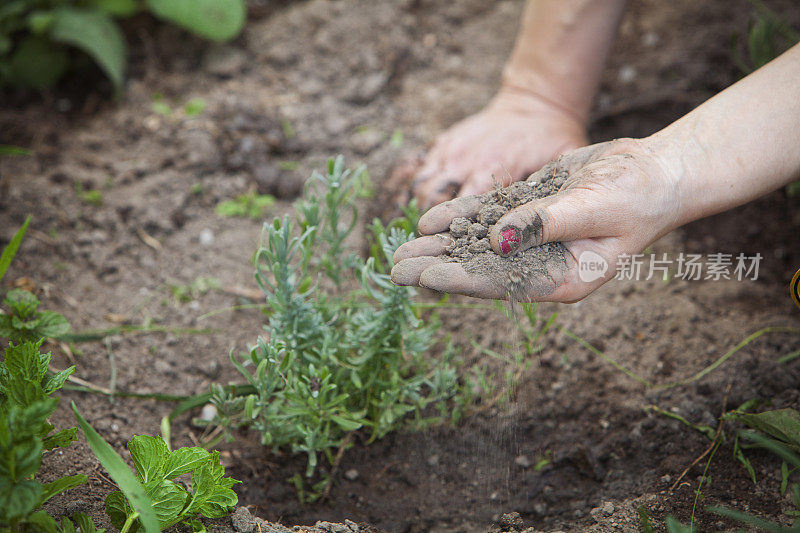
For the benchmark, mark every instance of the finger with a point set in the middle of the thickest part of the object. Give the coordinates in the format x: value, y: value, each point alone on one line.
x: 407, y: 272
x: 439, y: 217
x: 484, y: 181
x: 452, y: 278
x: 570, y: 162
x: 563, y: 217
x: 429, y: 245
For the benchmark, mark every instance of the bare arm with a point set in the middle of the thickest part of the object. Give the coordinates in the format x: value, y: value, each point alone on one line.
x: 561, y: 51
x: 541, y: 109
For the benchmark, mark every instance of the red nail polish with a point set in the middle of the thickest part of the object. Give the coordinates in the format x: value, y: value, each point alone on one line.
x: 509, y: 240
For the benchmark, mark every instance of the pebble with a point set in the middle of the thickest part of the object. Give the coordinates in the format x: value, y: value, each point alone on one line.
x: 433, y: 460
x: 523, y: 461
x: 352, y: 474
x: 224, y: 61
x: 208, y: 412
x: 206, y: 237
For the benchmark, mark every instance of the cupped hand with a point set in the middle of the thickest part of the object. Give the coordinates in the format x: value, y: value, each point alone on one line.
x: 513, y: 136
x: 617, y: 199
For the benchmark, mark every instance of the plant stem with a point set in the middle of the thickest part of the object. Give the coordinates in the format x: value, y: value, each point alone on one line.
x: 129, y: 522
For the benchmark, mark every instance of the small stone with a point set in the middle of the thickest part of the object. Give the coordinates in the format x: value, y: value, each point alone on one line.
x: 242, y: 520
x: 540, y: 508
x: 433, y: 460
x: 352, y: 474
x: 523, y: 461
x: 512, y: 520
x: 208, y: 412
x: 605, y: 510
x: 206, y: 237
x: 480, y: 246
x: 477, y: 231
x: 366, y: 141
x: 491, y: 213
x: 459, y: 227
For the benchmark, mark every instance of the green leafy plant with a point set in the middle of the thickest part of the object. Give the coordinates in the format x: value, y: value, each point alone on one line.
x: 337, y: 358
x: 38, y: 38
x: 25, y: 322
x: 153, y: 499
x: 25, y: 406
x: 249, y: 205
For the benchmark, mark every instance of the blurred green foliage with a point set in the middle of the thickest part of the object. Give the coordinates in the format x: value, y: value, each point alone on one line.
x: 40, y: 40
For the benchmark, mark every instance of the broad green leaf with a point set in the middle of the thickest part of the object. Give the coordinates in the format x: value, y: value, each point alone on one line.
x: 19, y: 499
x: 22, y: 302
x: 149, y: 454
x: 52, y: 325
x: 42, y: 523
x: 168, y: 500
x: 27, y: 458
x: 7, y: 149
x: 217, y: 20
x: 60, y: 485
x: 24, y: 392
x: 86, y: 524
x: 121, y: 474
x: 56, y: 381
x: 62, y: 439
x: 219, y: 503
x: 22, y: 360
x: 118, y: 8
x: 184, y: 460
x: 95, y: 33
x: 37, y: 63
x: 118, y: 509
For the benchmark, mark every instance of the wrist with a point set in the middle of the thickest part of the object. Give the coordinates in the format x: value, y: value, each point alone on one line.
x: 522, y: 100
x: 533, y: 89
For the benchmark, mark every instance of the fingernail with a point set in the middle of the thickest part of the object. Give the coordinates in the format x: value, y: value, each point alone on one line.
x: 509, y: 240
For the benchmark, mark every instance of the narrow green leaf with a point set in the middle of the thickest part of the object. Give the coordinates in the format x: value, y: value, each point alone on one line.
x: 752, y: 520
x: 217, y: 20
x: 62, y: 439
x: 95, y: 33
x: 56, y: 381
x: 121, y: 474
x: 60, y: 485
x: 346, y: 423
x: 7, y: 149
x: 783, y: 424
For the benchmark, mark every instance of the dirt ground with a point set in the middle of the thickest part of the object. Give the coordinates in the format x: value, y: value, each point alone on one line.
x: 315, y: 78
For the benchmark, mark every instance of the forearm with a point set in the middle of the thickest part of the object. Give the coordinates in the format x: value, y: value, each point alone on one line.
x: 561, y: 50
x: 737, y: 146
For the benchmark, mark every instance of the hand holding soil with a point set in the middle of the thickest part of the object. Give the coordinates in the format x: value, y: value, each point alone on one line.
x: 522, y: 242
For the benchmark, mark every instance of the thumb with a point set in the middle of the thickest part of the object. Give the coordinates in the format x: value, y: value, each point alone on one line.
x: 563, y: 217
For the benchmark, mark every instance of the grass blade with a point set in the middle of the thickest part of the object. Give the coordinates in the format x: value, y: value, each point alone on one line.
x: 121, y: 474
x: 11, y: 250
x: 754, y: 521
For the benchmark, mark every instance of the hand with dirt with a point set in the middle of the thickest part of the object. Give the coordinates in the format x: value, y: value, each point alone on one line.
x: 540, y: 112
x: 612, y: 199
x: 514, y: 135
x: 606, y: 201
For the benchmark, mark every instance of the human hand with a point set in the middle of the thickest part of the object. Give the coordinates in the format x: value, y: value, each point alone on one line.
x: 617, y: 199
x: 513, y: 136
